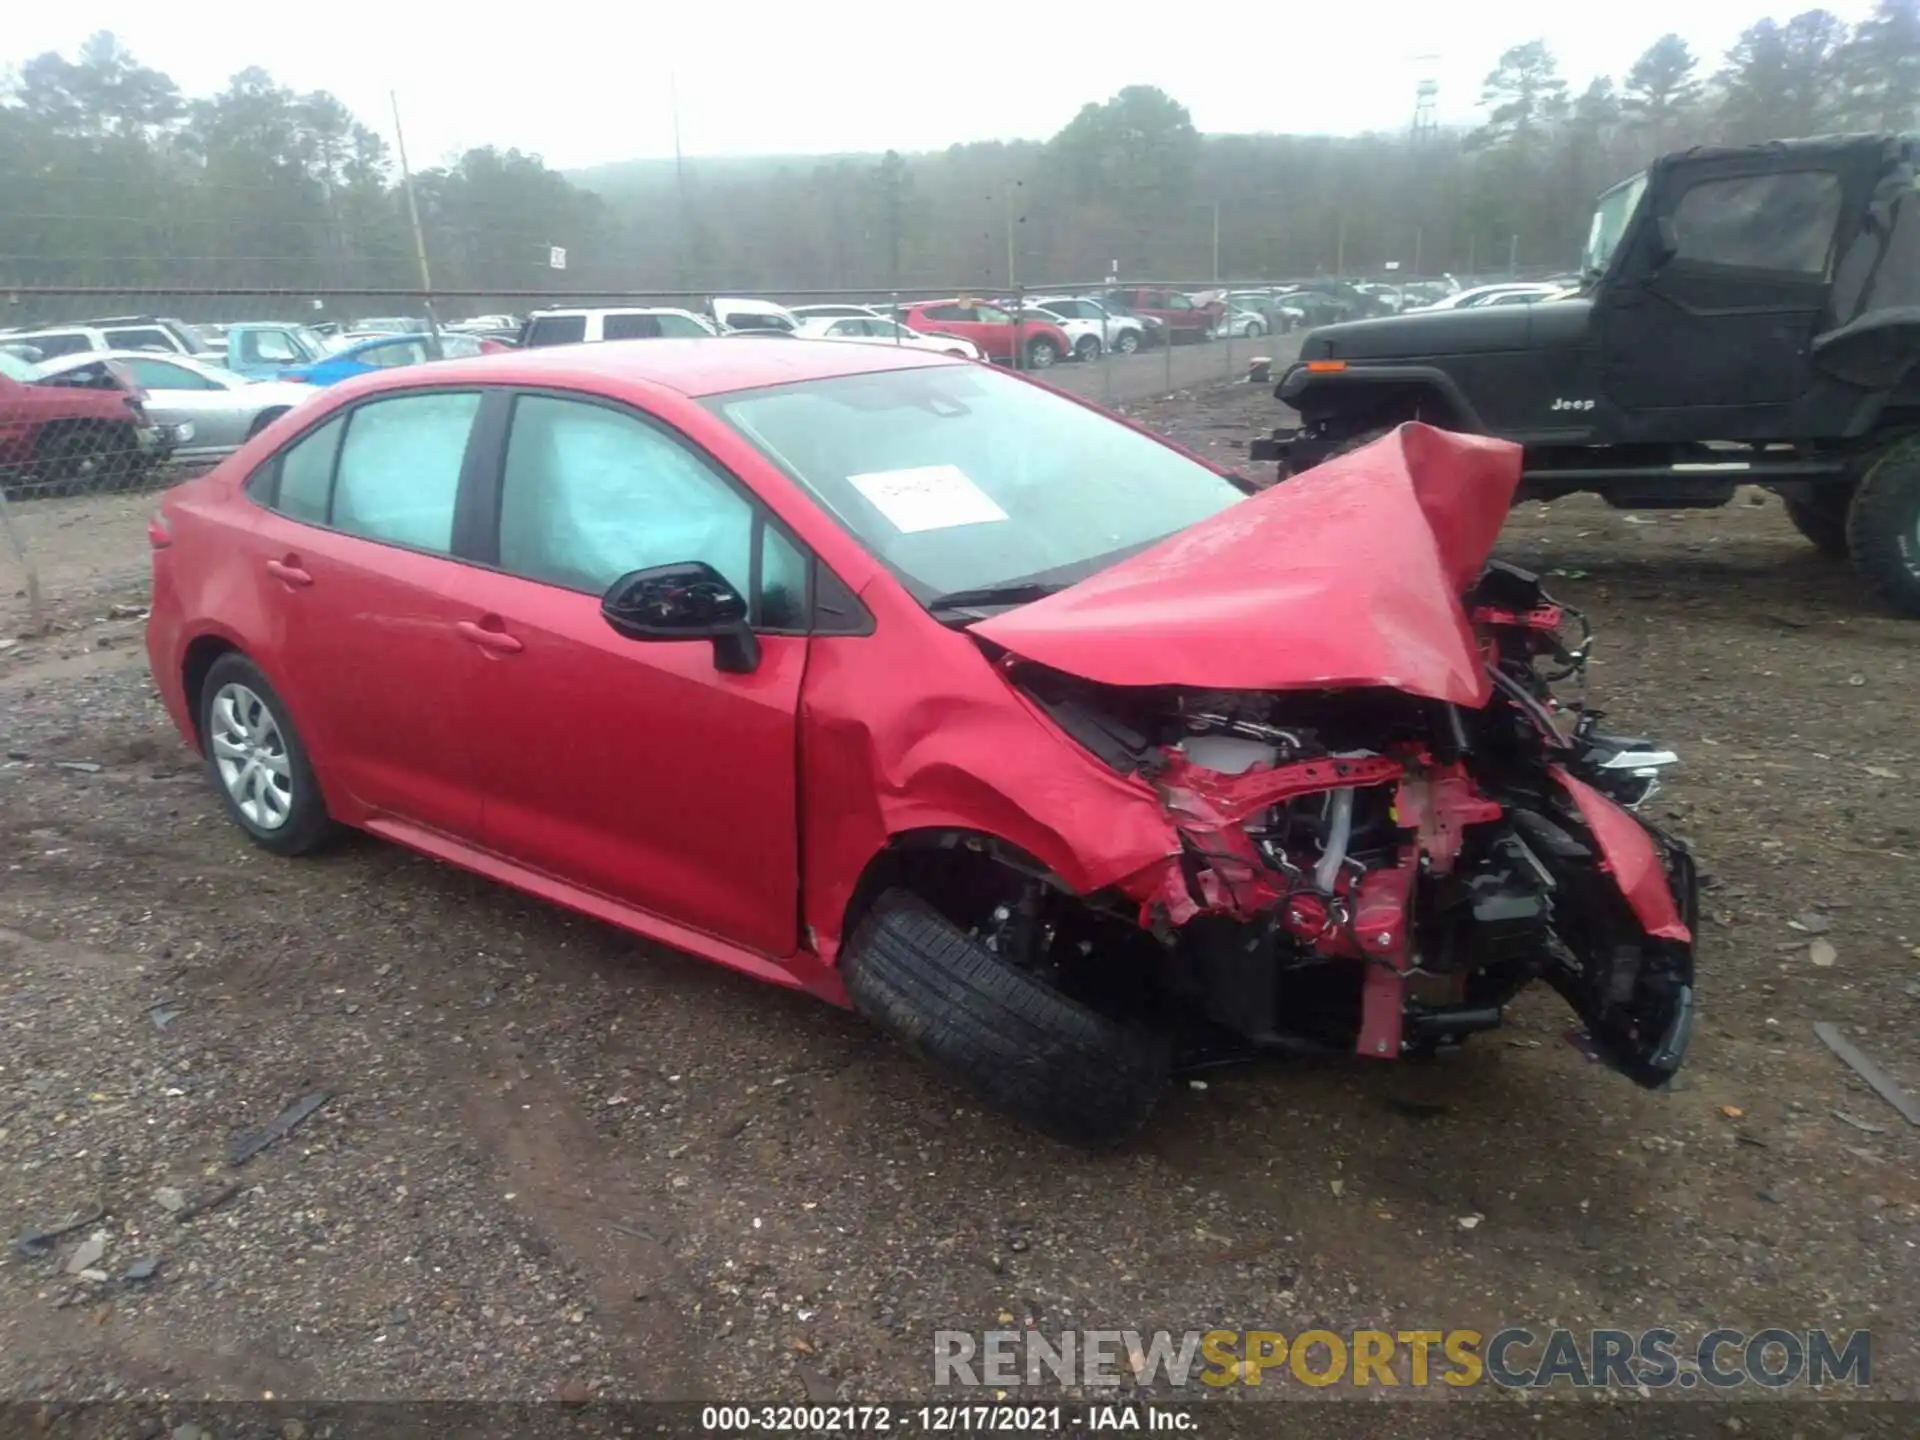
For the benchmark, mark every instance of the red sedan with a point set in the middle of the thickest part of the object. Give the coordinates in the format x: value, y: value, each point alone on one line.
x: 1060, y: 754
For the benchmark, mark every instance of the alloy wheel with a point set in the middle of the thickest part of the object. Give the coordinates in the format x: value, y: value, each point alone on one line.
x: 251, y: 755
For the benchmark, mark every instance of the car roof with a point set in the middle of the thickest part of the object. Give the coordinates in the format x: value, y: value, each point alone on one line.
x: 612, y: 310
x: 709, y: 365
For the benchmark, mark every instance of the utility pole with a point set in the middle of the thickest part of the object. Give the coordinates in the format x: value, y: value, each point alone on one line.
x: 1513, y: 256
x: 680, y: 235
x: 413, y: 212
x: 1417, y: 271
x: 1012, y: 279
x: 1216, y: 240
x: 1340, y: 250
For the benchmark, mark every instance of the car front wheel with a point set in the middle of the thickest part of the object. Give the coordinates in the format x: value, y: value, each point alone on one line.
x: 257, y: 760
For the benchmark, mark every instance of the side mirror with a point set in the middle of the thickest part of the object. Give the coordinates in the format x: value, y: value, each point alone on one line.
x: 689, y: 601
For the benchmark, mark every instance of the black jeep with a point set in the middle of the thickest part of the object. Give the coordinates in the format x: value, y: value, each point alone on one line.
x: 1747, y: 316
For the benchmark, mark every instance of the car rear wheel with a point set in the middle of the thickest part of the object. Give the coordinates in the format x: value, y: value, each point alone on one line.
x: 1088, y: 348
x: 1255, y: 329
x: 1013, y: 1041
x: 257, y: 761
x: 1821, y: 515
x: 76, y: 459
x: 1883, y: 526
x: 1126, y: 342
x: 1041, y: 353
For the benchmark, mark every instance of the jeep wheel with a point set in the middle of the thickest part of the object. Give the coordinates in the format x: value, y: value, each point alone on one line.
x: 1016, y: 1043
x: 1883, y: 527
x: 1821, y: 515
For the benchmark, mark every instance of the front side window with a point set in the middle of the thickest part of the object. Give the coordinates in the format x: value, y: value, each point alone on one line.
x: 161, y: 375
x: 268, y: 347
x: 958, y: 477
x: 1179, y: 302
x: 1782, y: 222
x: 989, y: 315
x: 50, y: 346
x: 399, y: 469
x: 140, y: 339
x: 681, y: 327
x: 1610, y: 217
x: 590, y: 494
x: 947, y: 312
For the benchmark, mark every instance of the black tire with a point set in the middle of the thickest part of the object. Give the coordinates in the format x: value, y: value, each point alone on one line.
x: 1255, y: 329
x: 1821, y: 515
x: 75, y: 459
x: 266, y: 418
x: 1019, y: 1046
x: 1883, y: 526
x: 1042, y: 353
x: 307, y: 825
x: 1087, y: 348
x: 1126, y: 342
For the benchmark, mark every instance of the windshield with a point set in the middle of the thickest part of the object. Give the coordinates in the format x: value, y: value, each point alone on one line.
x: 14, y: 368
x: 959, y: 478
x: 1610, y: 218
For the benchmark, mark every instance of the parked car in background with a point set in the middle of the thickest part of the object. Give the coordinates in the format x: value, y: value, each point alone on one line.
x: 834, y: 310
x: 385, y: 352
x: 391, y: 325
x: 1180, y: 316
x: 874, y: 330
x: 1241, y: 322
x: 132, y: 332
x: 1120, y: 333
x: 1039, y: 343
x: 212, y: 411
x: 1321, y: 307
x: 1479, y: 295
x: 61, y: 438
x: 262, y: 351
x: 733, y: 312
x: 589, y: 326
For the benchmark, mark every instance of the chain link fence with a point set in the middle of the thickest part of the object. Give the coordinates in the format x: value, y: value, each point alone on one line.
x: 107, y: 395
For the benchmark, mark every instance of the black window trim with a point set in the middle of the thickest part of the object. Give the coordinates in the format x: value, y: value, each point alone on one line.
x: 489, y: 480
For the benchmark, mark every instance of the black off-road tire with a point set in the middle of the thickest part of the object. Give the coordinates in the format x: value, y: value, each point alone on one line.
x: 307, y: 827
x: 1821, y: 515
x: 1015, y: 1043
x: 1883, y: 526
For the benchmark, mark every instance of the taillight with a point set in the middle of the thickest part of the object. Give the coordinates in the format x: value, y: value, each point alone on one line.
x: 158, y: 535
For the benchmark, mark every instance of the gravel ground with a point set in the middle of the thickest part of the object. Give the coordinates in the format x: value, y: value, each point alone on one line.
x: 556, y: 1163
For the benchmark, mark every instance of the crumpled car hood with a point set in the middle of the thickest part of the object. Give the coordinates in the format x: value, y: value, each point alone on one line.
x: 1349, y: 575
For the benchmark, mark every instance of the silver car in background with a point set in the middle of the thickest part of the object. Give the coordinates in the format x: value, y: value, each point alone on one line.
x: 214, y: 410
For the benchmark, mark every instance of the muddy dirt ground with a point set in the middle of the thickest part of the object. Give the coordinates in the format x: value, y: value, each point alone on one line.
x: 555, y: 1162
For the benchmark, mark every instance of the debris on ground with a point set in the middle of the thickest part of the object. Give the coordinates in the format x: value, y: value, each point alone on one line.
x: 1883, y: 1084
x: 1822, y: 953
x: 282, y: 1125
x: 87, y: 1253
x: 141, y: 1269
x: 36, y: 1243
x: 84, y: 767
x: 212, y: 1200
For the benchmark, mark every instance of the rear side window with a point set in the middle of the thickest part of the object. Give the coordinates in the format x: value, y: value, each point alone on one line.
x: 557, y: 330
x: 630, y: 327
x: 399, y: 469
x: 71, y: 343
x: 306, y: 474
x: 141, y: 339
x: 682, y: 327
x: 1779, y: 222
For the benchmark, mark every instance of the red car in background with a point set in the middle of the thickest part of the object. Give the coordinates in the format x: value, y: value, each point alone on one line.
x: 1039, y: 343
x: 1182, y: 318
x: 927, y: 689
x: 60, y: 438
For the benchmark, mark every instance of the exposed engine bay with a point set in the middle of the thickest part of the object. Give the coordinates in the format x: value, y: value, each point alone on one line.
x: 1370, y: 870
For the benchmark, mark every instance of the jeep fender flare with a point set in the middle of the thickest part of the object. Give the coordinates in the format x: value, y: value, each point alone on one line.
x: 1318, y: 393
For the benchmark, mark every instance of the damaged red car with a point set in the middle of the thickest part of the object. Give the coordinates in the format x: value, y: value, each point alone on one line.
x: 1064, y: 756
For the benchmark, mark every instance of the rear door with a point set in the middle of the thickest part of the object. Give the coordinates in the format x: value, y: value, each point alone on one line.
x: 1724, y: 322
x: 637, y: 769
x: 356, y: 560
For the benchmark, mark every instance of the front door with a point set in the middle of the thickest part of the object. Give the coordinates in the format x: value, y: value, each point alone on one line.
x: 636, y: 768
x: 1718, y: 300
x: 366, y: 603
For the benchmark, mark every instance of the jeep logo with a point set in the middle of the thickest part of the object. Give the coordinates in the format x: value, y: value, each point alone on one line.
x: 1572, y: 405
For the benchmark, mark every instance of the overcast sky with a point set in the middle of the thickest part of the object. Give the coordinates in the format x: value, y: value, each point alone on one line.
x: 583, y: 83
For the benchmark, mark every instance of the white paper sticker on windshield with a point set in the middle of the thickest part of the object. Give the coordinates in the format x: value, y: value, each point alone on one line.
x: 927, y: 497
